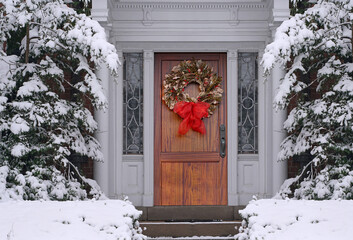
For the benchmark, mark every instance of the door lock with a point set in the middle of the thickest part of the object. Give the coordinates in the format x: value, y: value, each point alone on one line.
x: 222, y: 140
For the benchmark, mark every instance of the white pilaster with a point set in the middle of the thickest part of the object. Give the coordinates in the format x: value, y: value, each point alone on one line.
x: 262, y: 144
x: 279, y: 169
x: 101, y: 169
x: 118, y: 146
x: 148, y: 128
x: 232, y: 108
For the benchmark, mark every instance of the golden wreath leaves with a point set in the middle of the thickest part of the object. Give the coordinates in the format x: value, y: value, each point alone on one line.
x: 192, y: 71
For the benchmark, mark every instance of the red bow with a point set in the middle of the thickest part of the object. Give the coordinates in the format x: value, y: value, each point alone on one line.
x: 192, y: 113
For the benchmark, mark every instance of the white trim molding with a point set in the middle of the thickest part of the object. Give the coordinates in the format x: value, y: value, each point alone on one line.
x: 148, y: 130
x: 188, y: 1
x: 232, y: 120
x: 191, y: 4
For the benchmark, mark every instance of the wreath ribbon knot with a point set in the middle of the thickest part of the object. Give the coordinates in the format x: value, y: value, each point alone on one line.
x: 192, y: 113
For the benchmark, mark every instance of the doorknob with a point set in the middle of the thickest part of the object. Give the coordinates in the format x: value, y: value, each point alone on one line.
x: 222, y: 140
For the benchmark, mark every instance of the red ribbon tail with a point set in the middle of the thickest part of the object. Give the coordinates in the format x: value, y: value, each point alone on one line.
x: 184, y: 126
x: 198, y: 125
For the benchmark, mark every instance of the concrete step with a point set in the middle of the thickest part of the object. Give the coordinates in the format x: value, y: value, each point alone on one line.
x: 190, y: 213
x: 190, y: 229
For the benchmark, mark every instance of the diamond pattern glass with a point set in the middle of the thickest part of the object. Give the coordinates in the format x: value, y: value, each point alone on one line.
x: 247, y: 104
x: 133, y: 104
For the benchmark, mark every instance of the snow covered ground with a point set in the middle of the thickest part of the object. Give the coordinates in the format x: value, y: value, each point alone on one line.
x: 272, y: 219
x: 70, y: 220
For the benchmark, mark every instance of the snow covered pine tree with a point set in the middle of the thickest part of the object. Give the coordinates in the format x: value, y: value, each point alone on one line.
x: 40, y: 128
x: 316, y: 48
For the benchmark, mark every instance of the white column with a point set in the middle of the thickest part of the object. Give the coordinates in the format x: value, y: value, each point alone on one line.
x: 279, y: 169
x: 232, y: 108
x: 106, y: 173
x: 101, y: 169
x: 148, y: 126
x: 280, y: 12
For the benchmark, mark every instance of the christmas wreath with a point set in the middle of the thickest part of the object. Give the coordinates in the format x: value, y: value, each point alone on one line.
x: 192, y: 109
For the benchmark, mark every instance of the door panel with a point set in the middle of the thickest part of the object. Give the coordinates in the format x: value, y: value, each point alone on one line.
x: 188, y: 168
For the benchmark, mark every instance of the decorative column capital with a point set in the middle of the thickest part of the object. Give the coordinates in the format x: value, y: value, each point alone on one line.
x: 280, y: 11
x: 101, y: 11
x: 232, y: 55
x: 261, y: 53
x: 148, y: 55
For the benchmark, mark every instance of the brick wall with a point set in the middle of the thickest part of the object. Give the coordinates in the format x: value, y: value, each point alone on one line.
x: 296, y: 164
x: 84, y: 164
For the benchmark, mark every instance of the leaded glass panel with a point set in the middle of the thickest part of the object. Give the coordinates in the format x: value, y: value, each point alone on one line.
x: 133, y: 104
x: 247, y: 104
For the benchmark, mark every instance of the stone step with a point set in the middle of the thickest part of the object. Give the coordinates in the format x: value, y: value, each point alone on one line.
x: 190, y: 213
x: 190, y: 229
x: 193, y: 238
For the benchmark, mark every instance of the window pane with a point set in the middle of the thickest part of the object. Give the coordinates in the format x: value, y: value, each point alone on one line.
x: 133, y: 103
x: 247, y: 104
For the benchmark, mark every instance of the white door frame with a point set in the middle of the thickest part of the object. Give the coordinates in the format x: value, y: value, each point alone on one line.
x: 234, y: 160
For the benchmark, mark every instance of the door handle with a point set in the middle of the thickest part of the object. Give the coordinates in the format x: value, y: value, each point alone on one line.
x: 222, y: 140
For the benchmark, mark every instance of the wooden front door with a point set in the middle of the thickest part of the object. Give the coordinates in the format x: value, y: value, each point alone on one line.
x: 188, y: 169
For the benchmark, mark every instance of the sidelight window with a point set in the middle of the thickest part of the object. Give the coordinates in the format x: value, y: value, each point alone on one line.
x: 133, y: 103
x: 247, y: 103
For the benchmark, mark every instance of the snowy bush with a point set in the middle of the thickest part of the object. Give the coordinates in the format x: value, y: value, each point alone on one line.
x: 330, y: 183
x: 296, y: 220
x: 316, y: 48
x: 42, y: 184
x: 48, y: 88
x: 71, y: 220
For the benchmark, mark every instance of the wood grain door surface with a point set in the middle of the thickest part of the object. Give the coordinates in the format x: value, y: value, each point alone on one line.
x: 188, y: 169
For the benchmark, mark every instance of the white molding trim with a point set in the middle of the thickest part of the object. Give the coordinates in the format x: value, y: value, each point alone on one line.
x: 232, y: 124
x: 190, y: 5
x: 148, y: 126
x: 249, y: 46
x: 187, y: 1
